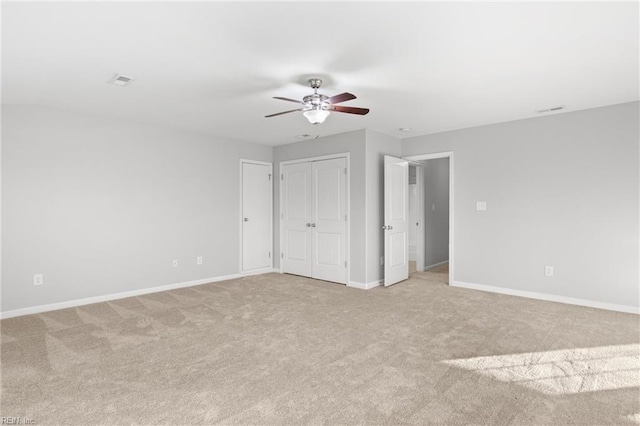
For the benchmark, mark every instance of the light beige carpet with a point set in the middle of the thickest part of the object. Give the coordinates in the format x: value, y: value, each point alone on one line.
x: 279, y: 349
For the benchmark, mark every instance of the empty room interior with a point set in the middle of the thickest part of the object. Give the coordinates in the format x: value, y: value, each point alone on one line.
x: 320, y: 213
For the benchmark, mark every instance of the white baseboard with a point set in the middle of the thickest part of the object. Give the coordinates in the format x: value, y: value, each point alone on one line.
x: 365, y: 286
x: 426, y: 268
x: 259, y: 271
x: 549, y: 297
x: 115, y: 296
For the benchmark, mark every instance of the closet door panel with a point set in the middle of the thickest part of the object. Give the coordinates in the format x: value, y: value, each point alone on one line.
x: 329, y: 215
x: 297, y: 235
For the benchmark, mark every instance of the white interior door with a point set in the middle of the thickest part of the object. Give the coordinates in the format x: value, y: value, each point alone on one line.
x: 396, y: 218
x: 329, y: 220
x: 256, y: 216
x: 296, y: 219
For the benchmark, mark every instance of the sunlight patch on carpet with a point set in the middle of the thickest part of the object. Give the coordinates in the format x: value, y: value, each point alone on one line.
x: 633, y: 418
x: 562, y: 372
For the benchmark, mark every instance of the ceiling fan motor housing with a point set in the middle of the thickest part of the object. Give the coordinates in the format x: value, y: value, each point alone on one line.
x: 316, y: 101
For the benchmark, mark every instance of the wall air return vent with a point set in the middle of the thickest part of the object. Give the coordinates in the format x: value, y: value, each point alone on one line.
x: 557, y: 108
x: 120, y: 80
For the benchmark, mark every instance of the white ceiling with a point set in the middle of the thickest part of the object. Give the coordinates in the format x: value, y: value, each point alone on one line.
x: 213, y: 68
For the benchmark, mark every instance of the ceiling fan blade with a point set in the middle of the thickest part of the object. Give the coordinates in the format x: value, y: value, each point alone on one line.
x: 349, y: 110
x: 288, y: 99
x: 284, y: 112
x: 342, y: 97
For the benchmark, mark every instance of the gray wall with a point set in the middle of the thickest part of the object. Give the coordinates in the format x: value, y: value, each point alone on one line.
x: 354, y: 144
x: 436, y: 222
x: 102, y: 206
x: 561, y: 190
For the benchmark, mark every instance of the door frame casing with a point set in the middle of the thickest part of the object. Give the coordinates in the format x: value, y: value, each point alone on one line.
x: 450, y: 156
x: 241, y: 216
x: 344, y: 155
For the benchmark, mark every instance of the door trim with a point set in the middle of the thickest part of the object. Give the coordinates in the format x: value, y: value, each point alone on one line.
x: 240, y: 216
x: 281, y: 202
x: 450, y: 156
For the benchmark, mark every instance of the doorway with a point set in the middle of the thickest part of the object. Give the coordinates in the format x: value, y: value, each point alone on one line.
x: 396, y: 196
x: 437, y: 232
x: 436, y: 213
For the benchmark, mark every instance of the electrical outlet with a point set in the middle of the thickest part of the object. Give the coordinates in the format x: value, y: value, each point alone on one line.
x: 175, y: 263
x: 38, y: 279
x: 481, y: 206
x: 199, y: 260
x: 548, y: 271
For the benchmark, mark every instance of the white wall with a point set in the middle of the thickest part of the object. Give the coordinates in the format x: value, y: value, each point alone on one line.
x: 561, y: 190
x: 436, y: 222
x: 102, y: 206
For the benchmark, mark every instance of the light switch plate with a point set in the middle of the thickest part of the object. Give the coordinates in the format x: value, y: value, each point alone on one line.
x: 481, y: 206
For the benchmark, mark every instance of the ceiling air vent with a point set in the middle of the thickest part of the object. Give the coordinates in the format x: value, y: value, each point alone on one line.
x: 552, y: 109
x: 120, y: 80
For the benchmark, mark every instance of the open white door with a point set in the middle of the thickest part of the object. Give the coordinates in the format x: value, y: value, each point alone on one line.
x: 396, y: 220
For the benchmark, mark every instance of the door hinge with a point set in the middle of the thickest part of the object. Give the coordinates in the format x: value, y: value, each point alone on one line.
x: 282, y: 176
x: 281, y: 255
x: 281, y: 215
x: 345, y: 263
x: 269, y: 177
x: 269, y: 255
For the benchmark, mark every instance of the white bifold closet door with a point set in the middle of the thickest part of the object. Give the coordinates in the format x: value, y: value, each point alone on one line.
x: 315, y: 219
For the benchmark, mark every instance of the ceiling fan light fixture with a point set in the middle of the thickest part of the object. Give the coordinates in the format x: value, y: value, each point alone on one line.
x: 317, y: 107
x: 316, y: 116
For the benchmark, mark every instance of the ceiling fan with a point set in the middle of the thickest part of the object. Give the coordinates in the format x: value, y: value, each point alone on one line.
x: 317, y: 107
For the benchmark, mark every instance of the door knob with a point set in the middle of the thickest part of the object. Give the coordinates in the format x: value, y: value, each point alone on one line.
x: 389, y: 227
x: 308, y: 225
x: 246, y: 219
x: 313, y: 225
